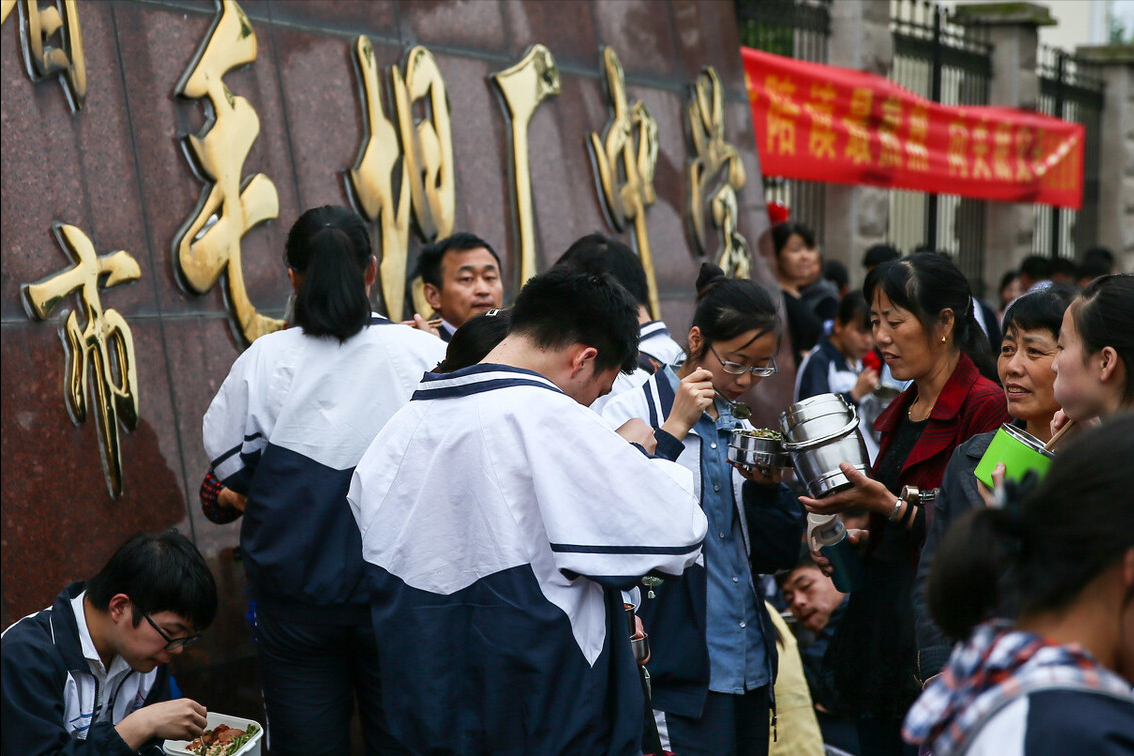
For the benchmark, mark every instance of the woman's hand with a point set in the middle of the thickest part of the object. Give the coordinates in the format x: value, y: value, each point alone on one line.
x: 229, y: 498
x: 855, y: 536
x: 990, y: 494
x: 693, y: 396
x: 867, y: 382
x: 865, y: 494
x: 766, y: 476
x: 1058, y: 420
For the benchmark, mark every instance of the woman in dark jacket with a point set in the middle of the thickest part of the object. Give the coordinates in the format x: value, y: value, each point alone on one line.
x: 924, y: 326
x: 1031, y: 336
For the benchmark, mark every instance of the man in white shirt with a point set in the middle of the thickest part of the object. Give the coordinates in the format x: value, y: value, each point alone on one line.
x: 500, y: 519
x: 88, y: 675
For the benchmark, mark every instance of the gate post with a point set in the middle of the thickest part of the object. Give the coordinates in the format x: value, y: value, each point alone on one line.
x: 1114, y: 64
x: 857, y: 216
x: 1013, y: 30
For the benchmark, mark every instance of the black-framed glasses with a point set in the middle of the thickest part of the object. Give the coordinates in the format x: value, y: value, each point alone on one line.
x: 735, y: 368
x: 172, y: 644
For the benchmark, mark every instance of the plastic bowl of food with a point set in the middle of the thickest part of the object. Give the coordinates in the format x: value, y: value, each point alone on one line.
x: 250, y: 747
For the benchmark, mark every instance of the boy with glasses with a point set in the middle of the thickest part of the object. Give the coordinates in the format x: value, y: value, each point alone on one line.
x: 88, y: 675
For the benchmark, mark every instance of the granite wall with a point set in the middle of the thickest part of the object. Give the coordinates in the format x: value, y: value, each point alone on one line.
x: 117, y: 171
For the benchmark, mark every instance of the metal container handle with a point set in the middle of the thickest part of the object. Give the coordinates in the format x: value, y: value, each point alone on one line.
x: 846, y: 429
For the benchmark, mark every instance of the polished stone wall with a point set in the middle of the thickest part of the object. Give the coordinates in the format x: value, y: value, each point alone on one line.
x: 116, y: 170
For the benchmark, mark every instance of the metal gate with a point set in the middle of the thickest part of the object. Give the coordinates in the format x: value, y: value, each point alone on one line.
x: 938, y: 59
x: 1069, y: 89
x: 796, y: 29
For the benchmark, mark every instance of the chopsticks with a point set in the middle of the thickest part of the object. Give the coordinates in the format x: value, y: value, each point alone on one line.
x: 1058, y: 435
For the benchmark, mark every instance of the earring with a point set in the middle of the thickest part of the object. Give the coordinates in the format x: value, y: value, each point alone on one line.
x: 942, y: 339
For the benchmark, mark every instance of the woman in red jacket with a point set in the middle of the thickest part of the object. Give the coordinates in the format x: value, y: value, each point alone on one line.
x: 921, y: 312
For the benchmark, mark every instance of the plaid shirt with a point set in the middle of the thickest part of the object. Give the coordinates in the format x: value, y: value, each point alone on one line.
x: 210, y: 504
x: 994, y: 665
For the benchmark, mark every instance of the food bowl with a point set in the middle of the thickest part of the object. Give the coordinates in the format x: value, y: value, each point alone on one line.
x: 757, y: 447
x: 1020, y: 452
x: 251, y: 748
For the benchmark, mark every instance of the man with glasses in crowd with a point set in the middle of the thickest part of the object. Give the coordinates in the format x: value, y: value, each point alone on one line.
x: 88, y: 675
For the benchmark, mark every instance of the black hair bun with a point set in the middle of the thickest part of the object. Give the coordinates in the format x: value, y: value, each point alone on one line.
x: 710, y: 276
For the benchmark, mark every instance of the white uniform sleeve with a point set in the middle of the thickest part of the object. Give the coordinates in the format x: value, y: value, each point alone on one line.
x: 611, y: 513
x: 235, y: 428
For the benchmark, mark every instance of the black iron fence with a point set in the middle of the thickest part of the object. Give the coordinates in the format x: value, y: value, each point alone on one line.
x: 795, y: 29
x: 1071, y: 90
x: 938, y: 59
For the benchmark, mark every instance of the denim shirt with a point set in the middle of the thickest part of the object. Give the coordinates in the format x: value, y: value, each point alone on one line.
x: 736, y: 648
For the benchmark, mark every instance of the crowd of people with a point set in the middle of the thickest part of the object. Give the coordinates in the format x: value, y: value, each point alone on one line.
x: 461, y: 529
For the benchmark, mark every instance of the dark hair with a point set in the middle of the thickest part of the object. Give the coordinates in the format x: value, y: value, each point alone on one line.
x: 835, y: 272
x: 1006, y: 279
x: 160, y: 572
x: 781, y: 232
x: 1104, y: 316
x: 476, y: 337
x: 330, y: 247
x: 563, y: 306
x: 1097, y: 261
x: 927, y: 284
x: 596, y: 253
x: 853, y: 307
x: 1040, y: 309
x: 431, y: 255
x: 728, y: 307
x: 1036, y: 267
x: 803, y: 560
x: 878, y: 254
x: 1047, y: 547
x: 1061, y: 266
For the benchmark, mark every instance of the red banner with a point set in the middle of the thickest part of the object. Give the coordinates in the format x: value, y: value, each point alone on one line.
x: 824, y: 123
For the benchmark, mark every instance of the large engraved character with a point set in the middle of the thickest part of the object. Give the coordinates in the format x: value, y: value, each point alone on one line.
x: 715, y: 174
x: 625, y: 157
x: 102, y: 345
x: 44, y: 59
x: 378, y: 169
x: 208, y: 244
x: 414, y: 155
x: 524, y: 86
x: 428, y: 149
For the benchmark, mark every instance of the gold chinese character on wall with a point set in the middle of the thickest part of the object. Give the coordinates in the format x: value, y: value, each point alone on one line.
x: 715, y: 175
x: 625, y: 158
x: 524, y: 86
x: 102, y: 345
x: 207, y: 245
x: 415, y: 155
x: 40, y: 21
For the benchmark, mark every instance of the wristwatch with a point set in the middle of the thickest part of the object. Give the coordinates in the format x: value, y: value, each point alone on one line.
x: 916, y: 496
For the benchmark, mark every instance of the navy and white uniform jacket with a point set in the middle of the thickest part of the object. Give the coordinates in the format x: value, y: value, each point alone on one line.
x: 52, y: 701
x: 771, y: 523
x: 655, y: 348
x: 498, y: 518
x: 287, y: 427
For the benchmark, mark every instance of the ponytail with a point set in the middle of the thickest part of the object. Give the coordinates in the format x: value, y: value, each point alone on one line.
x: 971, y: 339
x: 329, y: 248
x: 963, y: 589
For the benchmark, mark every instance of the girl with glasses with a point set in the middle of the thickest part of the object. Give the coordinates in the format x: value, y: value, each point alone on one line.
x: 713, y: 646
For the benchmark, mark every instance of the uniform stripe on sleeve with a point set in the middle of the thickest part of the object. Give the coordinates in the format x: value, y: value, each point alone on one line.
x: 571, y: 548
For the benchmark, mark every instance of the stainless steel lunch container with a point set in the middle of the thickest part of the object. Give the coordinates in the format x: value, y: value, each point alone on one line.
x: 750, y: 450
x: 819, y: 433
